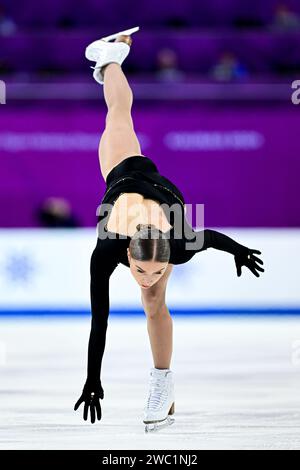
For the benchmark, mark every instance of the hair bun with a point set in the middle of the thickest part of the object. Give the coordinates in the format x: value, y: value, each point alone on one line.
x: 144, y: 226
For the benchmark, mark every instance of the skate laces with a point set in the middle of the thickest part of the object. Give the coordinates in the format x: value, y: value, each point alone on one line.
x: 158, y: 392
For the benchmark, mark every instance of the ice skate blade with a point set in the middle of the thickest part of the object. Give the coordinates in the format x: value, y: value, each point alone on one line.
x: 157, y: 425
x: 92, y: 50
x: 127, y: 32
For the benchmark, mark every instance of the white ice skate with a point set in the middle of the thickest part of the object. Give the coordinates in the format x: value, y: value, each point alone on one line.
x: 160, y: 403
x: 104, y: 52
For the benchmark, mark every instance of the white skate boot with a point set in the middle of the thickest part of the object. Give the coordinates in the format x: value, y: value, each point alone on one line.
x: 104, y: 52
x: 160, y: 402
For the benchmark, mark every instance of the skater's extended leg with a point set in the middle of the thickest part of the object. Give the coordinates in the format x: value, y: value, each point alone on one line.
x: 159, y: 321
x: 116, y: 88
x: 119, y: 139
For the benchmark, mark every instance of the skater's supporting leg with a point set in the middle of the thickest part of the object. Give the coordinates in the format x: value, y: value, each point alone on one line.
x: 160, y: 330
x: 119, y: 139
x: 159, y: 321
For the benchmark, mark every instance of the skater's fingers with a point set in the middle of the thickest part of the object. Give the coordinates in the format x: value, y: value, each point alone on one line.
x: 78, y: 403
x: 252, y: 269
x: 85, y: 411
x: 259, y: 268
x: 238, y: 269
x: 256, y: 267
x: 258, y: 260
x: 98, y: 409
x: 256, y: 252
x: 92, y: 410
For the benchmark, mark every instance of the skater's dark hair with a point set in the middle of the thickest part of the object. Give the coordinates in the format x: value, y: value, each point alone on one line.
x: 149, y: 244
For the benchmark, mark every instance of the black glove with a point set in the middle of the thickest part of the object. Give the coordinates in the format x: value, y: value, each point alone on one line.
x: 247, y: 258
x: 90, y: 396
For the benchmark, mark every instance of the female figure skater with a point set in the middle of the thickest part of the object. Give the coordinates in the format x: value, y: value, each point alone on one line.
x: 147, y: 243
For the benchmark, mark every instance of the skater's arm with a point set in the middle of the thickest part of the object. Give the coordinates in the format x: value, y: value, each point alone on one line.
x: 243, y: 255
x: 220, y: 241
x: 196, y: 241
x: 103, y: 262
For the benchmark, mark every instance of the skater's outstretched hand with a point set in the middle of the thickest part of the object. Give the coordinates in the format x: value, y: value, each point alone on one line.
x: 247, y: 258
x: 91, y: 400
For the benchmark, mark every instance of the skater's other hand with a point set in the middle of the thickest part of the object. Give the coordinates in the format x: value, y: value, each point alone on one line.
x: 248, y: 259
x: 91, y: 402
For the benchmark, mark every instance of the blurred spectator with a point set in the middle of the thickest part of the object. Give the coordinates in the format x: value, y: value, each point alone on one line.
x: 56, y: 213
x: 285, y: 19
x: 229, y: 68
x: 167, y: 65
x: 7, y: 24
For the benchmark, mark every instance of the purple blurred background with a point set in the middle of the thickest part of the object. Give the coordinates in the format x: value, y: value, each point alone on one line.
x: 212, y: 107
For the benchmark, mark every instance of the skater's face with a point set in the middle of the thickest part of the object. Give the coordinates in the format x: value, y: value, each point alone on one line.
x: 146, y: 273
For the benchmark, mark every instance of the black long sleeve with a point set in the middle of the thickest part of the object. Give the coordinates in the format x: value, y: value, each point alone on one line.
x: 192, y: 242
x: 103, y: 262
x: 220, y: 241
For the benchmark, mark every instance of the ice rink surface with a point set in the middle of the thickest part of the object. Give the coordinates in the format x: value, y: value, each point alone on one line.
x: 237, y: 384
